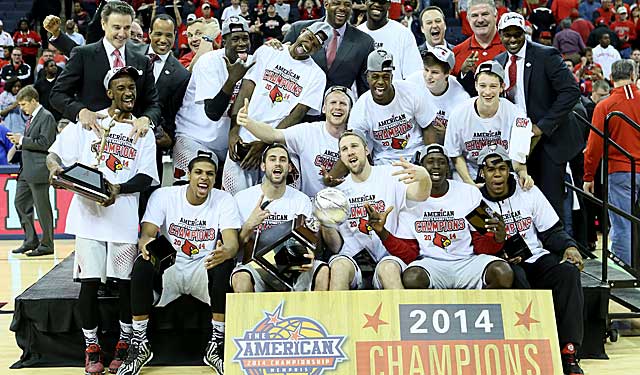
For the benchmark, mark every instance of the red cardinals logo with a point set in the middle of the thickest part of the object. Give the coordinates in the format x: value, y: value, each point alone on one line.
x: 364, y: 226
x: 275, y: 95
x: 398, y: 143
x: 189, y: 248
x: 441, y: 241
x: 114, y: 164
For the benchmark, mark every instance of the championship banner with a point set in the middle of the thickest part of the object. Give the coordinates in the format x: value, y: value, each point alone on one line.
x: 409, y: 332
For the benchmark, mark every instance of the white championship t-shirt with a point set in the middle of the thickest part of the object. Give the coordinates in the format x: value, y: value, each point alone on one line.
x: 439, y: 223
x: 380, y: 190
x: 527, y: 212
x: 395, y: 129
x: 192, y: 230
x: 316, y: 148
x: 282, y: 83
x: 207, y: 78
x: 283, y: 209
x: 121, y: 160
x: 446, y: 102
x: 468, y: 133
x: 400, y: 42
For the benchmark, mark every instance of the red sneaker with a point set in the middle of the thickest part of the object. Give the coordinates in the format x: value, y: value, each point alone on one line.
x: 93, y: 360
x: 119, y: 356
x: 570, y: 364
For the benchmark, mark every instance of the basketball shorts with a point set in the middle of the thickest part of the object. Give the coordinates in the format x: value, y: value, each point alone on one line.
x: 263, y: 281
x: 184, y: 277
x: 456, y: 274
x: 186, y: 149
x: 99, y: 260
x: 235, y: 179
x: 358, y: 282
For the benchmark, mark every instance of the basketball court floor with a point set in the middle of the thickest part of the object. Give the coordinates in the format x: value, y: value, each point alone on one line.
x: 18, y: 272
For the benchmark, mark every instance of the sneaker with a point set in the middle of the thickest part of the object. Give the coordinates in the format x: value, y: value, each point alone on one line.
x: 93, y: 360
x: 119, y: 356
x: 214, y: 356
x: 569, y: 361
x: 139, y: 354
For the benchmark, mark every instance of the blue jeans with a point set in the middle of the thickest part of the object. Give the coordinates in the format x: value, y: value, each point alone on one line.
x: 620, y: 196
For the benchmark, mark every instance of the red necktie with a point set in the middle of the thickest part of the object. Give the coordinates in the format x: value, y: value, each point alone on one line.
x: 153, y: 58
x: 27, y: 124
x: 118, y: 63
x: 513, y: 73
x: 332, y: 48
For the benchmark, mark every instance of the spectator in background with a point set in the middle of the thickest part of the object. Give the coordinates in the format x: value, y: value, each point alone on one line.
x: 283, y: 9
x: 568, y: 41
x: 635, y: 56
x: 207, y: 13
x: 587, y: 8
x: 625, y: 29
x: 183, y: 40
x: 12, y: 116
x: 635, y: 16
x: 16, y: 68
x: 5, y: 39
x: 581, y: 25
x: 605, y: 54
x: 70, y: 29
x: 602, y: 28
x: 410, y: 20
x: 545, y: 38
x: 434, y: 28
x: 137, y: 34
x: 271, y: 24
x: 45, y: 84
x: 605, y: 13
x: 309, y: 9
x: 5, y: 145
x: 29, y: 41
x: 50, y: 54
x: 587, y: 71
x: 232, y: 10
x: 562, y: 8
x: 80, y: 17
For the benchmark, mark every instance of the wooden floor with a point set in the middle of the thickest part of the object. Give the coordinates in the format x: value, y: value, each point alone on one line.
x: 17, y: 272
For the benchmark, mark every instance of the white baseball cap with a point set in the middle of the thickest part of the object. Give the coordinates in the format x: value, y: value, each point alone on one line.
x: 113, y: 72
x: 511, y: 19
x: 443, y: 54
x: 621, y: 10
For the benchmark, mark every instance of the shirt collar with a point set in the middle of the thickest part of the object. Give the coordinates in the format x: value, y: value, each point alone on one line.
x: 110, y: 48
x: 163, y: 58
x: 35, y: 111
x: 522, y: 51
x: 494, y: 41
x: 342, y: 29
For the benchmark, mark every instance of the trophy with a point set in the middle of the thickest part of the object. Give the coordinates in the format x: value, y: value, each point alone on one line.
x: 479, y: 215
x: 280, y: 250
x: 87, y: 181
x: 161, y: 254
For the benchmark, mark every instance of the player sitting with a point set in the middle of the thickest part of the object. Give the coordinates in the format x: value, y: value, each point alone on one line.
x: 555, y: 262
x: 319, y: 156
x: 106, y: 235
x: 264, y: 206
x: 282, y: 85
x: 193, y: 218
x: 381, y: 187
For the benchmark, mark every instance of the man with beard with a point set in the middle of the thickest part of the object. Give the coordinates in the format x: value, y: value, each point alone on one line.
x: 444, y: 251
x: 380, y: 187
x: 107, y: 233
x: 434, y: 28
x: 344, y: 59
x: 393, y: 115
x: 283, y: 86
x: 555, y: 262
x: 392, y: 37
x: 267, y: 205
x: 202, y: 225
x: 319, y: 155
x: 202, y: 123
x: 440, y: 88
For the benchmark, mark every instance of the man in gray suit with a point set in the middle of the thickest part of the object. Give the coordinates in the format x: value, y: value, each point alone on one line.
x: 33, y: 179
x: 344, y: 59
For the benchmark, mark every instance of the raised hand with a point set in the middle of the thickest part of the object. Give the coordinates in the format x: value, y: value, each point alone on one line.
x: 377, y: 219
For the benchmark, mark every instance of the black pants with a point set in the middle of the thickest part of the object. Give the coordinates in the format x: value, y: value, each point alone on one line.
x: 564, y: 281
x: 548, y: 176
x: 144, y: 280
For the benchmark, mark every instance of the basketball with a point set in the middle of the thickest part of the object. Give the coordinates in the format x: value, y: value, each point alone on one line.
x: 331, y: 207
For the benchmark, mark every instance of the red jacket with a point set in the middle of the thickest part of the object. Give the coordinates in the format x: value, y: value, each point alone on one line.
x: 625, y: 99
x: 464, y: 49
x: 562, y: 8
x: 20, y: 38
x: 624, y: 28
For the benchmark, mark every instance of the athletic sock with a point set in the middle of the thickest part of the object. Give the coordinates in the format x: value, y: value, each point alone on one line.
x: 218, y: 330
x: 139, y: 330
x: 90, y: 336
x: 125, y: 331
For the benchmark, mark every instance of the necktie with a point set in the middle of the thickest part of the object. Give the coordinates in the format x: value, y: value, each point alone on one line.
x: 118, y: 63
x: 332, y: 48
x: 513, y: 72
x: 153, y: 58
x: 27, y: 124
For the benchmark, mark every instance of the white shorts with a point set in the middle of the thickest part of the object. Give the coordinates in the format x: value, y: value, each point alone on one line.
x: 264, y: 281
x: 456, y: 274
x: 235, y: 179
x: 357, y: 282
x: 184, y: 277
x: 184, y: 150
x: 99, y: 260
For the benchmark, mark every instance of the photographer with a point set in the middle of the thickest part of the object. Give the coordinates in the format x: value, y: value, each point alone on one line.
x: 555, y: 262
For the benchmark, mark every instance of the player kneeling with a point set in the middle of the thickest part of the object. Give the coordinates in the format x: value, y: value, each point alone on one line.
x: 555, y: 261
x: 264, y: 206
x: 442, y: 241
x: 193, y: 218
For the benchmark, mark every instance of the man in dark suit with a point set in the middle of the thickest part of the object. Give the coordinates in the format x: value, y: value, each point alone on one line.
x: 33, y: 180
x: 78, y: 92
x: 540, y: 83
x: 344, y: 59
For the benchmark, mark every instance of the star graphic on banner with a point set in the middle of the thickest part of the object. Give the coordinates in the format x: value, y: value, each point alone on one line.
x: 374, y: 321
x: 295, y: 336
x: 525, y: 319
x: 274, y: 317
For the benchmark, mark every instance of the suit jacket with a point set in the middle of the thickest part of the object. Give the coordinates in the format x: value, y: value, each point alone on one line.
x: 35, y: 147
x: 80, y: 85
x: 351, y: 58
x: 551, y: 92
